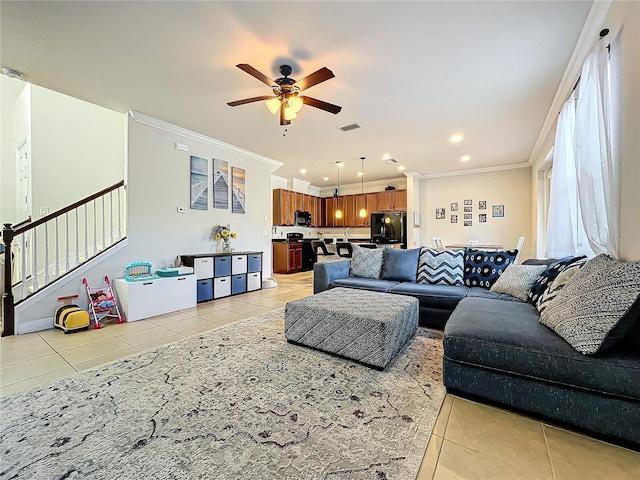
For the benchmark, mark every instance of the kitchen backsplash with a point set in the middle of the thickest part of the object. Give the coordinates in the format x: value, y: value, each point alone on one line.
x: 279, y: 232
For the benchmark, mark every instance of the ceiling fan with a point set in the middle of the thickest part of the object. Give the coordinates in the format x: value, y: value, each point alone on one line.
x: 286, y: 91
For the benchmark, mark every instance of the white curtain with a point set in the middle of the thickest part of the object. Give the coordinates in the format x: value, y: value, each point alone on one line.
x: 595, y: 173
x: 562, y: 225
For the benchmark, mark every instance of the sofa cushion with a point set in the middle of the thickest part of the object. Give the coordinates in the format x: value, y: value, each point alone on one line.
x: 547, y: 277
x: 366, y: 262
x: 507, y: 337
x: 436, y: 296
x: 482, y: 269
x: 400, y: 264
x: 516, y: 280
x: 443, y: 267
x: 598, y: 306
x: 549, y: 295
x: 373, y: 284
x: 479, y: 292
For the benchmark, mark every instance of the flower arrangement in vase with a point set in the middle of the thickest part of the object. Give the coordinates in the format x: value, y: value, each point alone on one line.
x: 224, y: 233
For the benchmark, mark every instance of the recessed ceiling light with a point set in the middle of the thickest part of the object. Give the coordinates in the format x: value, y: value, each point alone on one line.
x: 465, y: 158
x: 456, y: 138
x: 386, y: 156
x: 401, y: 167
x: 303, y: 171
x: 11, y: 73
x: 325, y: 178
x: 360, y: 173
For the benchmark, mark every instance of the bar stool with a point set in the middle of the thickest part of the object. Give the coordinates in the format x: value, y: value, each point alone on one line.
x: 344, y: 246
x: 324, y: 253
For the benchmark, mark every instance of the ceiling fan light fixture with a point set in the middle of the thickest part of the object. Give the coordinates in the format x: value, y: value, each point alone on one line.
x: 295, y: 103
x: 273, y: 104
x: 289, y: 114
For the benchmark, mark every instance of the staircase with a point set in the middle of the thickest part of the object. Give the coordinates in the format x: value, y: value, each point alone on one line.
x: 38, y: 253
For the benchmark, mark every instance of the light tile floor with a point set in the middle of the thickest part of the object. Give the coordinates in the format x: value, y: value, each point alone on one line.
x: 470, y: 440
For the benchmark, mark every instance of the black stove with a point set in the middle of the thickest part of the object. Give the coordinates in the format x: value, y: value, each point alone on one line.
x: 308, y: 255
x: 295, y: 237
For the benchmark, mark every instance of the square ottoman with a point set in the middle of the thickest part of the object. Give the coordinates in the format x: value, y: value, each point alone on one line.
x: 369, y: 327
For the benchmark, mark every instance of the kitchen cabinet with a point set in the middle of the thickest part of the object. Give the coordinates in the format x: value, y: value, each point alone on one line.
x: 283, y: 207
x: 350, y: 213
x: 391, y: 200
x: 287, y: 257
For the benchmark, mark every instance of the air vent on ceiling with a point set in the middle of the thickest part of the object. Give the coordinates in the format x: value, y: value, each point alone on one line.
x: 390, y: 161
x: 351, y: 126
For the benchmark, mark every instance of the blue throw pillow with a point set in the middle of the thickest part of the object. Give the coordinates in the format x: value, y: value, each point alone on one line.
x: 482, y: 269
x: 400, y: 265
x: 547, y: 277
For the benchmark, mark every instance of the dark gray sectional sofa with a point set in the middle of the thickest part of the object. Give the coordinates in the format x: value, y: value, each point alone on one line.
x: 495, y: 349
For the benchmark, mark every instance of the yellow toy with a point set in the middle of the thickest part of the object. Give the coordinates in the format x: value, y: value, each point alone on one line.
x: 70, y: 317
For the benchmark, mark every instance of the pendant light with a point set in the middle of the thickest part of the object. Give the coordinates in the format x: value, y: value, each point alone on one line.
x: 363, y: 210
x: 338, y: 212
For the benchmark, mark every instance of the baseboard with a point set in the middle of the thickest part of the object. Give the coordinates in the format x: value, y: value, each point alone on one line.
x: 34, y: 325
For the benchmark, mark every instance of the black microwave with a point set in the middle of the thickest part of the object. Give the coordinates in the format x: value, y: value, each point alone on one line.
x: 302, y: 219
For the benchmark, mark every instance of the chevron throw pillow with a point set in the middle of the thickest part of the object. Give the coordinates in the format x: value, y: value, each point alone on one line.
x: 442, y: 267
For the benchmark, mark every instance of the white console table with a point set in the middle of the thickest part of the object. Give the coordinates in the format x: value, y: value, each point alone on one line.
x: 149, y: 298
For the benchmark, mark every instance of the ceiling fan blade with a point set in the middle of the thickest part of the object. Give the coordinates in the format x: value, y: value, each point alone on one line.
x: 326, y: 106
x: 315, y: 78
x: 249, y: 100
x: 255, y: 73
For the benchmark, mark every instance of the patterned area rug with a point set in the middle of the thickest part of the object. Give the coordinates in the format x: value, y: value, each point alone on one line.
x: 237, y: 402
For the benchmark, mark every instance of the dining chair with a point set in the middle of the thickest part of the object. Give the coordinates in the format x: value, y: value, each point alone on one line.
x: 519, y: 248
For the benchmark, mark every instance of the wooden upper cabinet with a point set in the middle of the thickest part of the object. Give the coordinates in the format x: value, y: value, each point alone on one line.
x: 307, y: 200
x: 391, y: 200
x: 350, y: 210
x: 399, y: 200
x: 339, y: 204
x: 384, y: 201
x: 329, y: 207
x: 299, y: 201
x: 361, y: 202
x: 283, y: 207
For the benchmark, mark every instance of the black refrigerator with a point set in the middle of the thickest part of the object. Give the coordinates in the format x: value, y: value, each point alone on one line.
x: 389, y: 228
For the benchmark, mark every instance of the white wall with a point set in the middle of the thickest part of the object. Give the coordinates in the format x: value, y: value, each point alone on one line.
x: 77, y: 148
x: 511, y: 188
x: 158, y: 183
x: 15, y: 128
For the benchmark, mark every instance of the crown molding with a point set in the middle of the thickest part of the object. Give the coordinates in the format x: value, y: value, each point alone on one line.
x: 586, y: 41
x: 472, y: 171
x: 198, y: 137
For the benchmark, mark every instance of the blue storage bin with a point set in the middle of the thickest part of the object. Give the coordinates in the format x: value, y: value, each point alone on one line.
x: 222, y: 266
x: 239, y: 283
x: 254, y: 263
x: 205, y: 290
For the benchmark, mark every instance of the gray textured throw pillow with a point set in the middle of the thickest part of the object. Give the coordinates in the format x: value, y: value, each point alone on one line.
x: 516, y: 280
x: 598, y: 305
x: 366, y: 262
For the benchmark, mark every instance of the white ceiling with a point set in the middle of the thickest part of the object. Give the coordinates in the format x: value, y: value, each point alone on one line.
x: 410, y: 73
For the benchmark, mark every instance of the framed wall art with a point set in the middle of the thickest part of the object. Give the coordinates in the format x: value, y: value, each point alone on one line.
x: 199, y: 184
x: 238, y: 194
x: 497, y: 210
x: 440, y: 214
x: 220, y: 184
x: 454, y: 218
x: 482, y: 218
x: 468, y: 223
x: 454, y: 207
x: 482, y: 205
x: 468, y: 216
x: 468, y: 202
x: 468, y: 209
